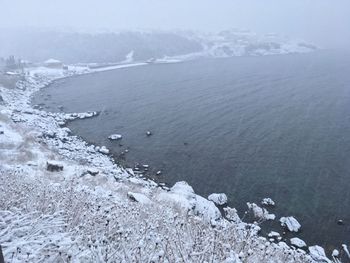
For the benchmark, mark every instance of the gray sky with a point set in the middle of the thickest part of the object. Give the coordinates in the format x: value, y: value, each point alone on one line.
x: 325, y: 22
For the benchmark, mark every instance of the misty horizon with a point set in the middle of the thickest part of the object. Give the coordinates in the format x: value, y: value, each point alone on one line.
x: 324, y: 23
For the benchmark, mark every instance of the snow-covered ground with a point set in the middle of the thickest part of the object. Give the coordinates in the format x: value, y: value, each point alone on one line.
x: 63, y: 200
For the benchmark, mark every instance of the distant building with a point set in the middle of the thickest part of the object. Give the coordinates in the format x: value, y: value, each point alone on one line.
x: 53, y: 63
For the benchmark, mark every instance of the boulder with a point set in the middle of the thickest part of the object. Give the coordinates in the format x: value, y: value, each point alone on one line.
x: 291, y: 223
x: 297, y: 242
x: 317, y: 253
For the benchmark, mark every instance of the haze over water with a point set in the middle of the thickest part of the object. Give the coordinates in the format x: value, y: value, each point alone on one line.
x: 251, y: 127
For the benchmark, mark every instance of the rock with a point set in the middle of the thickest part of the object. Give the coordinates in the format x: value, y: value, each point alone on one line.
x: 115, y: 137
x: 146, y: 166
x: 268, y: 202
x: 148, y: 133
x: 103, y: 150
x: 218, y: 199
x: 53, y: 166
x: 317, y: 253
x: 340, y: 222
x: 297, y: 242
x: 159, y: 173
x: 291, y: 223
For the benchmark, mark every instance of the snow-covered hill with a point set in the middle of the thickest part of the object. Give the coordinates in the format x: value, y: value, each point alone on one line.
x: 73, y: 47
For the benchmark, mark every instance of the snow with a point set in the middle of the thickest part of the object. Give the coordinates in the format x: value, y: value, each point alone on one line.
x: 218, y: 199
x: 291, y: 223
x: 297, y: 242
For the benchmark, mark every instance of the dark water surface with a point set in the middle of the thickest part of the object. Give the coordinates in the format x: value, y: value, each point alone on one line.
x: 252, y: 127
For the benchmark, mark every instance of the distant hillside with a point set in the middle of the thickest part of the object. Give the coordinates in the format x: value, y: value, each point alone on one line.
x: 73, y: 47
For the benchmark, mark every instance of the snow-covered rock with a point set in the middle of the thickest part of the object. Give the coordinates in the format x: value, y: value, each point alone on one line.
x: 274, y: 234
x: 345, y: 247
x: 317, y: 253
x: 183, y: 194
x: 291, y: 223
x: 260, y: 213
x: 268, y: 202
x: 115, y: 137
x: 297, y: 242
x: 335, y: 253
x: 104, y: 150
x: 218, y: 199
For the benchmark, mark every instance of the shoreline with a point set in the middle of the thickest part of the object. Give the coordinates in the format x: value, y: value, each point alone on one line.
x: 48, y: 131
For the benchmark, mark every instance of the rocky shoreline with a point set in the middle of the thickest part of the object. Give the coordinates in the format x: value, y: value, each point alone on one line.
x: 58, y: 173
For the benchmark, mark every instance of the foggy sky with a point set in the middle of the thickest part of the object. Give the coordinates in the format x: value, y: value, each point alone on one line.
x: 324, y: 22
